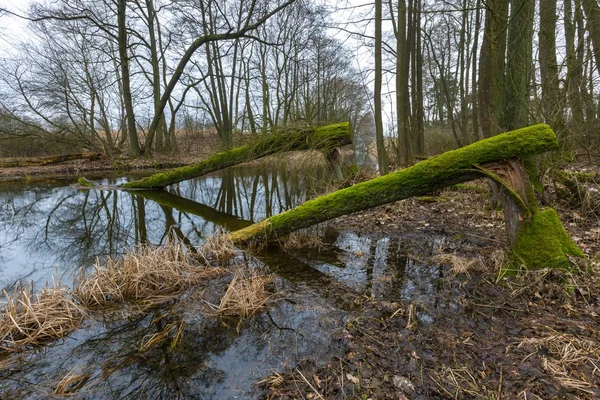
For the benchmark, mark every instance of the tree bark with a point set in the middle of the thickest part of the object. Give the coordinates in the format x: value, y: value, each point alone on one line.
x: 437, y: 172
x: 324, y: 138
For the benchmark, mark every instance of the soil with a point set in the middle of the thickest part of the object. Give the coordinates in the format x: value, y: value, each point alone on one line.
x: 535, y: 336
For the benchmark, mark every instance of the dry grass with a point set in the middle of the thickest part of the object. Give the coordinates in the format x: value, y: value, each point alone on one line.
x: 246, y: 294
x: 303, y: 240
x: 151, y: 341
x: 565, y: 355
x: 458, y: 382
x: 148, y: 275
x: 70, y: 384
x: 458, y: 265
x: 31, y: 320
x: 218, y: 247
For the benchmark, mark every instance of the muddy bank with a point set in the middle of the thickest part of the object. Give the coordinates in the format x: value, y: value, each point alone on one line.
x: 476, y: 335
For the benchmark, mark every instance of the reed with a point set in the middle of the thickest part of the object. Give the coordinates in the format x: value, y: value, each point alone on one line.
x: 32, y: 320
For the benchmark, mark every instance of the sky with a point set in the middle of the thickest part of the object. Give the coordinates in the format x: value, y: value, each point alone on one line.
x: 12, y: 28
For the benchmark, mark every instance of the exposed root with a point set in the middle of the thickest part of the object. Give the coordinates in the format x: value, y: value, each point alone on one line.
x: 149, y: 275
x: 32, y: 320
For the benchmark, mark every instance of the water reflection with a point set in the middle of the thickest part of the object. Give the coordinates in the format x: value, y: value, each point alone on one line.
x: 52, y: 228
x: 211, y: 360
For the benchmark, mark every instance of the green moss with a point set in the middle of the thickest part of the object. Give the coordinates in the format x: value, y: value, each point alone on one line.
x: 542, y: 243
x: 86, y: 183
x: 446, y: 169
x: 432, y: 199
x: 323, y: 138
x: 470, y: 188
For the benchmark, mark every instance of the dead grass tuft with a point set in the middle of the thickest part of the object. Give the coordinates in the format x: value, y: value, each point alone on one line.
x: 151, y: 341
x: 218, y: 247
x: 32, y: 320
x: 303, y: 240
x: 70, y: 384
x: 246, y: 294
x: 457, y: 382
x: 146, y: 274
x: 458, y: 265
x: 565, y: 355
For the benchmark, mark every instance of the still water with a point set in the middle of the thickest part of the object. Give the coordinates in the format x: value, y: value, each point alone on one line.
x: 52, y: 229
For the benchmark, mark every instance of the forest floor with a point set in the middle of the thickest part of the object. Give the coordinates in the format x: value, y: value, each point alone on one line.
x: 535, y: 336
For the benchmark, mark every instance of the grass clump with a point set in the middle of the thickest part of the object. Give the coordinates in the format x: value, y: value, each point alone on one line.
x: 32, y: 320
x: 218, y: 248
x: 146, y: 274
x: 563, y: 356
x: 246, y: 294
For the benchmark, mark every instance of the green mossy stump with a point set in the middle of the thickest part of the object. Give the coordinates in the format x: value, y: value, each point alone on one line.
x: 324, y: 138
x: 542, y: 242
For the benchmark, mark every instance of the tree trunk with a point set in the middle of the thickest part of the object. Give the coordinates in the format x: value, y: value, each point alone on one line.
x: 491, y: 66
x: 515, y: 98
x: 552, y: 103
x: 134, y: 145
x: 437, y: 172
x: 324, y: 138
x: 381, y: 152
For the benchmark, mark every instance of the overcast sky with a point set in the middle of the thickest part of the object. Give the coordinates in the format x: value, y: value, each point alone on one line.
x: 12, y: 28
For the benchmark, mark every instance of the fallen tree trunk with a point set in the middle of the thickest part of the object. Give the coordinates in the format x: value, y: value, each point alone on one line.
x: 324, y: 138
x: 539, y: 237
x: 37, y: 162
x: 446, y: 169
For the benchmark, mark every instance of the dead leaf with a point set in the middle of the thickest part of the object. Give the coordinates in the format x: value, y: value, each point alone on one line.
x: 353, y: 379
x: 317, y: 381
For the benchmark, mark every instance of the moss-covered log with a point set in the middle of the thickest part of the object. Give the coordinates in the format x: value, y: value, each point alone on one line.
x: 446, y: 169
x: 323, y: 138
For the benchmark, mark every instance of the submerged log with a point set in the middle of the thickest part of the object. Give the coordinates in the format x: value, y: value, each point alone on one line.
x: 37, y: 162
x: 446, y: 169
x: 324, y: 138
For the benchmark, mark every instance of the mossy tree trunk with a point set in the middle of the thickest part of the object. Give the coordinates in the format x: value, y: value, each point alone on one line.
x: 479, y: 159
x: 324, y: 138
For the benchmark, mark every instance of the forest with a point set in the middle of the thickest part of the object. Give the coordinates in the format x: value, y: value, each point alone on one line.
x: 284, y: 199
